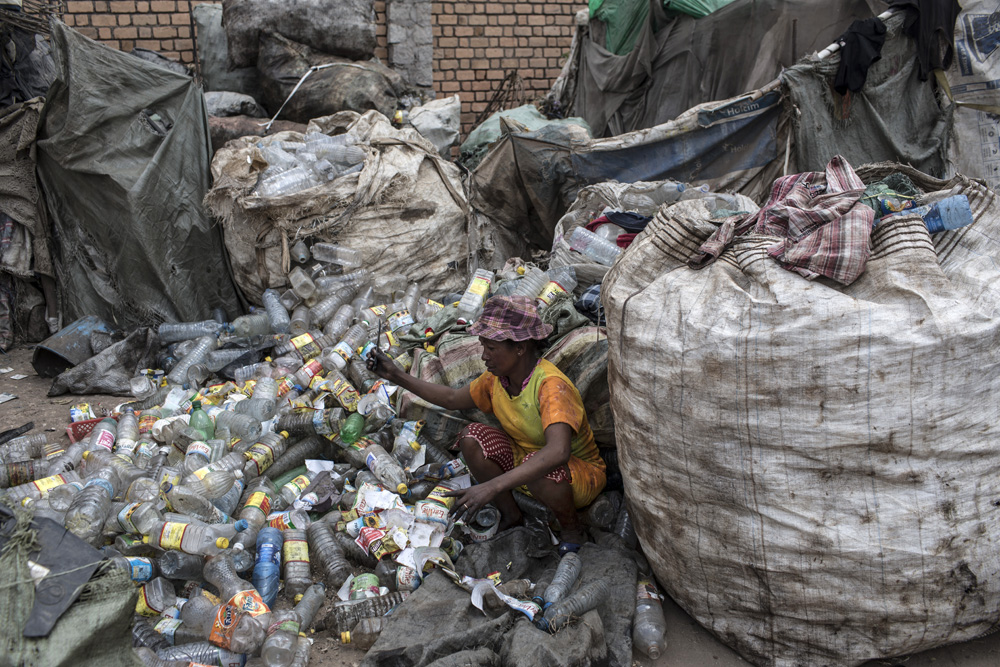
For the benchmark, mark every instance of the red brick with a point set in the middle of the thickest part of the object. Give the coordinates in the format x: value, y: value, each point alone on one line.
x: 102, y: 20
x: 122, y: 6
x: 532, y: 20
x: 184, y: 31
x: 79, y: 6
x: 161, y: 31
x: 126, y: 33
x: 145, y: 32
x: 523, y: 8
x: 523, y: 31
x: 69, y: 20
x: 464, y: 8
x: 127, y: 45
x: 446, y: 19
x: 180, y: 19
x: 104, y: 33
x: 163, y: 6
x: 463, y: 31
x: 88, y: 31
x: 447, y: 43
x: 463, y: 53
x: 465, y: 75
x: 495, y: 53
x: 183, y: 44
x: 481, y: 85
x: 507, y: 42
x: 495, y: 74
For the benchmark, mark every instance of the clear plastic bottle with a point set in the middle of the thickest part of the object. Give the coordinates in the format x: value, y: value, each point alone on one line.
x: 363, y: 635
x: 279, y: 647
x: 68, y: 460
x: 23, y: 448
x: 649, y: 626
x: 328, y: 553
x: 87, y: 514
x: 295, y: 554
x: 204, y: 345
x: 300, y: 321
x: 133, y: 518
x: 231, y: 462
x: 243, y: 600
x: 241, y: 426
x: 609, y: 232
x: 300, y: 252
x: 277, y: 316
x: 143, y: 635
x: 341, y: 321
x: 386, y: 468
x: 471, y: 303
x: 230, y: 500
x: 345, y: 615
x: 258, y: 504
x: 587, y: 597
x: 188, y: 501
x: 293, y: 518
x: 531, y: 283
x: 155, y: 596
x: 562, y: 280
x: 296, y: 455
x: 253, y: 324
x: 180, y: 565
x: 172, y: 332
x: 288, y: 182
x: 302, y: 284
x: 61, y: 497
x: 41, y: 488
x: 331, y: 253
x: 624, y: 529
x: 104, y: 434
x: 201, y: 653
x: 267, y: 570
x: 564, y: 578
x: 215, y: 483
x: 263, y: 453
x: 200, y: 420
x: 346, y: 349
x: 262, y: 404
x: 321, y: 313
x: 601, y: 251
x: 189, y: 538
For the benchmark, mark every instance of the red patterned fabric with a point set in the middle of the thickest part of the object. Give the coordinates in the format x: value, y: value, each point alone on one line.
x: 498, y: 447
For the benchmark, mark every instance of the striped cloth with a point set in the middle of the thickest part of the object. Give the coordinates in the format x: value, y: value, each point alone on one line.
x: 824, y: 229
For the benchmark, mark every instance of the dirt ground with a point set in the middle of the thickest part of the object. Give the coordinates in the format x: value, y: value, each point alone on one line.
x: 688, y: 644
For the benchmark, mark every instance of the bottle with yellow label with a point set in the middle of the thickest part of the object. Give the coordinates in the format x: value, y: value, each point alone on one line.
x: 187, y: 537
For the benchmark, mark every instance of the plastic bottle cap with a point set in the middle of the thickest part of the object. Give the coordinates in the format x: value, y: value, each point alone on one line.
x: 222, y: 543
x: 86, y: 454
x: 402, y: 489
x: 345, y: 637
x: 298, y: 598
x: 195, y: 405
x: 145, y: 539
x: 283, y: 434
x: 241, y: 525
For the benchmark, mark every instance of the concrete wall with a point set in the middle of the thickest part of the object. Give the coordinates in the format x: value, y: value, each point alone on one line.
x: 474, y: 43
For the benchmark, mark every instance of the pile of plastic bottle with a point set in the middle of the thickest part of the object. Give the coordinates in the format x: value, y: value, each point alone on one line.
x: 295, y: 478
x: 297, y: 165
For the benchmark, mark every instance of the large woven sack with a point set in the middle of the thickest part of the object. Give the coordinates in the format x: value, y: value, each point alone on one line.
x: 813, y: 469
x: 342, y: 28
x: 405, y: 210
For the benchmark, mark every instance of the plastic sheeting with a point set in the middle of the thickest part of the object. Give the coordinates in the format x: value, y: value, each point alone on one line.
x: 681, y: 62
x: 817, y: 463
x: 123, y: 157
x: 895, y: 116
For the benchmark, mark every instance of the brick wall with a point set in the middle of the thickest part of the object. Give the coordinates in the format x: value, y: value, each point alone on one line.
x: 475, y: 43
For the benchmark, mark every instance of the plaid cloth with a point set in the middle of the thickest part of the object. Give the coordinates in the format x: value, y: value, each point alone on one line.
x: 590, y: 304
x: 824, y: 229
x: 510, y: 318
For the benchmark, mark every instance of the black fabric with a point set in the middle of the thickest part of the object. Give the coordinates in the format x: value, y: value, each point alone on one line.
x: 861, y: 46
x: 932, y: 24
x: 629, y: 221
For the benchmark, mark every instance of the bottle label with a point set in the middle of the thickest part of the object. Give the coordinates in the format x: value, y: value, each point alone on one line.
x: 104, y: 484
x: 431, y: 512
x: 261, y: 455
x: 287, y: 625
x: 146, y: 423
x: 372, y: 462
x: 343, y: 349
x: 306, y: 346
x: 364, y: 586
x: 199, y: 448
x: 242, y: 604
x: 312, y: 368
x: 480, y: 287
x: 125, y: 448
x: 296, y: 551
x: 646, y: 590
x: 167, y: 627
x: 21, y: 472
x: 104, y: 439
x: 46, y: 484
x: 406, y: 579
x: 259, y: 500
x: 437, y: 495
x: 321, y: 424
x: 400, y: 319
x: 298, y: 485
x: 145, y: 606
x: 346, y: 394
x: 125, y: 518
x: 285, y: 385
x: 140, y: 569
x: 54, y: 453
x: 551, y: 291
x: 200, y: 473
x: 282, y: 521
x: 171, y: 535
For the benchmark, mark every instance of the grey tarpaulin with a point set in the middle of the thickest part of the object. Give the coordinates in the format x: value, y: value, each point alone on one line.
x: 123, y: 157
x: 525, y: 184
x: 895, y: 116
x: 817, y: 463
x: 213, y: 54
x: 681, y: 62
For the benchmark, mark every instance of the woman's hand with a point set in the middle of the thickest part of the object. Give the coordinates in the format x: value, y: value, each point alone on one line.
x: 381, y: 365
x: 469, y: 501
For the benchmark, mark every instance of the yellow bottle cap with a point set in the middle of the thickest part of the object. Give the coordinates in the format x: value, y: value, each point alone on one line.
x: 86, y: 454
x: 345, y: 637
x: 402, y: 490
x: 414, y: 445
x: 145, y: 539
x: 284, y: 434
x: 222, y: 543
x: 298, y: 598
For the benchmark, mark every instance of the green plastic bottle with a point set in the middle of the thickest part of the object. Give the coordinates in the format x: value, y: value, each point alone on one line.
x: 201, y: 421
x: 352, y: 429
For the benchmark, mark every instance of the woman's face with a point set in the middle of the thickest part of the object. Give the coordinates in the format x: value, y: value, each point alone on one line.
x: 500, y: 357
